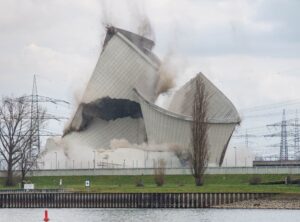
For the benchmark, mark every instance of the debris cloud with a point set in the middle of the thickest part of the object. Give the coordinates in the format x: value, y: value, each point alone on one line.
x: 167, y: 74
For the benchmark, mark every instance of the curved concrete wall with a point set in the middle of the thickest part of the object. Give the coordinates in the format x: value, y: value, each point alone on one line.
x: 220, y: 109
x: 163, y: 126
x: 120, y: 68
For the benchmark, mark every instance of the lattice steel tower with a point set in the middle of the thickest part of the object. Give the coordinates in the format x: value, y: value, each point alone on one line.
x: 284, y: 150
x: 296, y: 137
x: 34, y: 119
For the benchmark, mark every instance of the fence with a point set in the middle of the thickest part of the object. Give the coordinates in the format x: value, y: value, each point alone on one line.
x: 169, y: 171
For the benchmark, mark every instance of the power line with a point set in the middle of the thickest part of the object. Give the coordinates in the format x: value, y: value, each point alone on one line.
x: 271, y: 106
x: 284, y: 134
x: 35, y: 100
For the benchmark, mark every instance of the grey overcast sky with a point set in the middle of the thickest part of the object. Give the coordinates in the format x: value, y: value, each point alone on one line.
x: 249, y: 48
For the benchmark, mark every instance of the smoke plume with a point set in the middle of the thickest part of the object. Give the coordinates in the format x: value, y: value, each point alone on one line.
x: 180, y: 152
x: 120, y: 143
x: 56, y: 144
x: 145, y: 28
x: 132, y: 17
x: 167, y: 75
x: 123, y: 143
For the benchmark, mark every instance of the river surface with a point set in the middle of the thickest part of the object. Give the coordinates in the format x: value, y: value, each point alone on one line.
x: 145, y: 215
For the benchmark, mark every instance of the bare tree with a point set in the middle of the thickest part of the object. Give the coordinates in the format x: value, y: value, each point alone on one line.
x: 18, y: 129
x: 199, y: 150
x: 159, y: 172
x: 28, y: 160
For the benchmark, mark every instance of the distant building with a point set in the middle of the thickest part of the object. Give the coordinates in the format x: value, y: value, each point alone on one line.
x: 276, y: 163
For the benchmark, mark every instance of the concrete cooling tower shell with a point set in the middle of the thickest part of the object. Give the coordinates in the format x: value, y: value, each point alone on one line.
x: 126, y: 62
x: 121, y: 67
x: 118, y: 102
x: 174, y: 127
x: 220, y: 109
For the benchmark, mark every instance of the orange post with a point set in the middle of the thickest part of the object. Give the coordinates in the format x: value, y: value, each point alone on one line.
x: 46, y: 216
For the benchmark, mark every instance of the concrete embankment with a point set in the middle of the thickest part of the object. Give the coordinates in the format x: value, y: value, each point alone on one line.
x: 123, y: 200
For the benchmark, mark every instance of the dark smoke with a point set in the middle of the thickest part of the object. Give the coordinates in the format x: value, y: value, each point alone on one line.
x: 107, y: 109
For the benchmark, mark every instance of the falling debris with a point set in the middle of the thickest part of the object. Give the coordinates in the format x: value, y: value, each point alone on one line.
x: 145, y: 28
x: 166, y: 80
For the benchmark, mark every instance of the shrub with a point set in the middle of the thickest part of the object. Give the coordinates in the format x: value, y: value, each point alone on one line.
x: 255, y: 180
x: 159, y: 172
x: 180, y: 183
x: 288, y: 180
x: 139, y: 182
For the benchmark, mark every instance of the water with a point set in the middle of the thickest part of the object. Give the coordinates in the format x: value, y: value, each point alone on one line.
x: 145, y: 215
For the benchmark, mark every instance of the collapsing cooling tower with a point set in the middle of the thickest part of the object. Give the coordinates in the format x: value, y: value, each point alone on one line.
x: 118, y: 102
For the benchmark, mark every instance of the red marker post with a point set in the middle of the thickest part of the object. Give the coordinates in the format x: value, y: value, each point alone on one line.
x: 46, y: 218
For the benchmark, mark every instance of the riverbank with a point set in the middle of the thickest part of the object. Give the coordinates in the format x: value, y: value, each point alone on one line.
x: 150, y: 200
x: 280, y: 201
x: 173, y: 184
